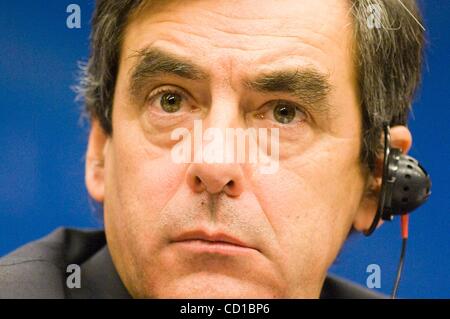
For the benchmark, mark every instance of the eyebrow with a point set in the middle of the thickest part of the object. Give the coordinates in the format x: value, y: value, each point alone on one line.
x: 154, y: 62
x: 309, y: 85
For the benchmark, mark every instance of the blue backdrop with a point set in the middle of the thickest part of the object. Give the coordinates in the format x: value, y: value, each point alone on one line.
x: 42, y: 146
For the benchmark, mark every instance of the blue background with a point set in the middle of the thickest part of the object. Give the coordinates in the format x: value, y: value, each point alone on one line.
x: 42, y: 146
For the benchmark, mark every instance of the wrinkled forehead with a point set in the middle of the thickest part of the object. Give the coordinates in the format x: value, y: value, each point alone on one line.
x: 253, y: 17
x: 246, y: 35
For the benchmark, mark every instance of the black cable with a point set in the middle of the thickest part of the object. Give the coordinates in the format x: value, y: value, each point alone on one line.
x: 399, y: 269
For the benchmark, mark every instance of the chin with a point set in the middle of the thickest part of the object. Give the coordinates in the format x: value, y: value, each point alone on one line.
x: 214, y: 286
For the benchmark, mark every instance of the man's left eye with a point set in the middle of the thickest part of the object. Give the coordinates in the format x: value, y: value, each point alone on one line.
x: 284, y: 113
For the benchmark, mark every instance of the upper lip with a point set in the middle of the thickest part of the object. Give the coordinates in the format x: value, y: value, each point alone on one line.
x: 212, y: 237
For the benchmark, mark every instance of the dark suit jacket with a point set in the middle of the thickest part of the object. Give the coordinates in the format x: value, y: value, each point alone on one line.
x: 38, y: 270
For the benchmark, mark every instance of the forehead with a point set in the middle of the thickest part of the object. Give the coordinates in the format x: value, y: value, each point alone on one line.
x: 246, y: 34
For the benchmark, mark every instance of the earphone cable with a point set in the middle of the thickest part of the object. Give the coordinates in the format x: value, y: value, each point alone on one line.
x: 404, y: 227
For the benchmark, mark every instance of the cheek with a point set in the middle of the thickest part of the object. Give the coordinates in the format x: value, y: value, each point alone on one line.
x: 140, y: 181
x: 310, y: 204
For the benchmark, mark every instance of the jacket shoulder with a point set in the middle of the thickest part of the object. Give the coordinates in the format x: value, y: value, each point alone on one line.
x: 38, y: 269
x: 339, y: 288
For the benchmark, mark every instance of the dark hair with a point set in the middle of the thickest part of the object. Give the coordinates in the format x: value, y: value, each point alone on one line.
x: 388, y: 58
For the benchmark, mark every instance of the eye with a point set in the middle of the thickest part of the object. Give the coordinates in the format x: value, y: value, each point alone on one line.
x: 168, y: 100
x: 283, y: 112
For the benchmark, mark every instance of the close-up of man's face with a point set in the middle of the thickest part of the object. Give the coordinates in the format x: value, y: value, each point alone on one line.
x: 217, y: 230
x: 224, y: 149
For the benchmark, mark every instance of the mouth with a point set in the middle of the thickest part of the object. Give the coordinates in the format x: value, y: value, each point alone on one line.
x: 212, y: 243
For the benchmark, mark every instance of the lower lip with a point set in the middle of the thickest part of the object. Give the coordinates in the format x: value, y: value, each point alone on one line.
x: 210, y: 247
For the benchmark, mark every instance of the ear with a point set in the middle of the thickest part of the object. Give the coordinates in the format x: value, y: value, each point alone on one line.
x: 94, y: 174
x: 400, y: 138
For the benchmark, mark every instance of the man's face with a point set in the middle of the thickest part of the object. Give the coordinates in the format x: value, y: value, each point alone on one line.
x: 292, y: 222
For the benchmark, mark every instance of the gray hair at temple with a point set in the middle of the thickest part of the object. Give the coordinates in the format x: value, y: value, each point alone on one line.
x: 388, y: 59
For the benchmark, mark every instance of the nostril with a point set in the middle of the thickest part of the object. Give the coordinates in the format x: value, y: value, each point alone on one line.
x: 233, y: 188
x: 198, y: 181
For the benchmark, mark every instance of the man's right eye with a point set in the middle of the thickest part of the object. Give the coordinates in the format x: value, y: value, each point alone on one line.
x: 170, y: 102
x: 167, y: 100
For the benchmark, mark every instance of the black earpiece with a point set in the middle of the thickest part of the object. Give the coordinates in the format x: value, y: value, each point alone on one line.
x: 405, y: 184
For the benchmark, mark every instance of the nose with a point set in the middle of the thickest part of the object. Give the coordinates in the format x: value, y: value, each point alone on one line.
x: 216, y: 178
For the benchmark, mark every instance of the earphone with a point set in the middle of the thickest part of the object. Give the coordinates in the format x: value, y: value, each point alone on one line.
x: 405, y: 185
